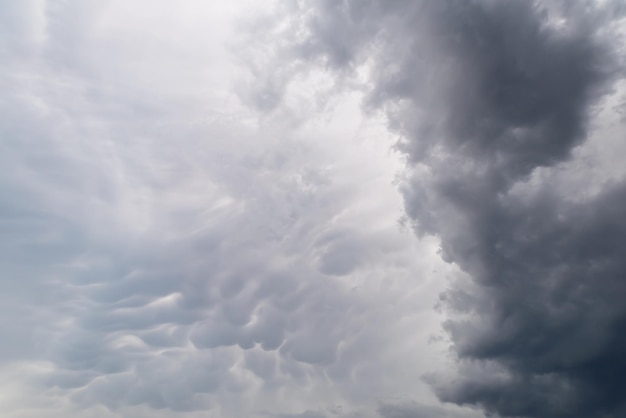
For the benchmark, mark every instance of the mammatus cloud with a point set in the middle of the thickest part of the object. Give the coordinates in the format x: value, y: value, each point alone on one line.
x: 503, y: 107
x: 170, y: 252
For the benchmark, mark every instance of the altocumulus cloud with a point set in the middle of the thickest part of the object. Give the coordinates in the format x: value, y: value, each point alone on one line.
x: 184, y: 234
x: 509, y: 116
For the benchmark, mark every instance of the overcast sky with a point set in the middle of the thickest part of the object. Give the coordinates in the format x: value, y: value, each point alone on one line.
x: 312, y: 209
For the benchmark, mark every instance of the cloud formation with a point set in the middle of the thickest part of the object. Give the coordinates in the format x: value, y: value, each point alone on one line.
x: 168, y: 251
x: 503, y: 107
x: 198, y: 219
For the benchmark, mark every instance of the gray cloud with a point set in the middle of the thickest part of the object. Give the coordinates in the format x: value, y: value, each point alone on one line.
x: 307, y: 414
x: 168, y: 251
x: 415, y: 410
x: 494, y: 101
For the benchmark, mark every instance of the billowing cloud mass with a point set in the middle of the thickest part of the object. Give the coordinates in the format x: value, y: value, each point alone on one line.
x: 179, y: 242
x: 200, y: 214
x: 507, y: 116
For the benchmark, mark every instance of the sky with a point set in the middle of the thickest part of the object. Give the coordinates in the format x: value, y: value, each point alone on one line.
x: 313, y: 209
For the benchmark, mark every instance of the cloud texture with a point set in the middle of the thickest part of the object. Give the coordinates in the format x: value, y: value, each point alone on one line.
x: 175, y: 245
x: 505, y: 111
x: 198, y: 217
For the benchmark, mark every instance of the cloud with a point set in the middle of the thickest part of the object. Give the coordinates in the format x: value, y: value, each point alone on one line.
x: 307, y: 414
x: 415, y: 410
x: 499, y: 105
x: 198, y: 217
x: 172, y: 252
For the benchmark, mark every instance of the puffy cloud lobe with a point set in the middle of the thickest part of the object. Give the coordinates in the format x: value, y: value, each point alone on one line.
x: 492, y: 98
x: 554, y: 320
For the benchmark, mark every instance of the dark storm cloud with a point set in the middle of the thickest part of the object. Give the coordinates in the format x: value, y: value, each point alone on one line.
x: 492, y: 98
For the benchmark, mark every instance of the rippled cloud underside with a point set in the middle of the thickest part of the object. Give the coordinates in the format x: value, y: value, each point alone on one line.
x: 313, y: 209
